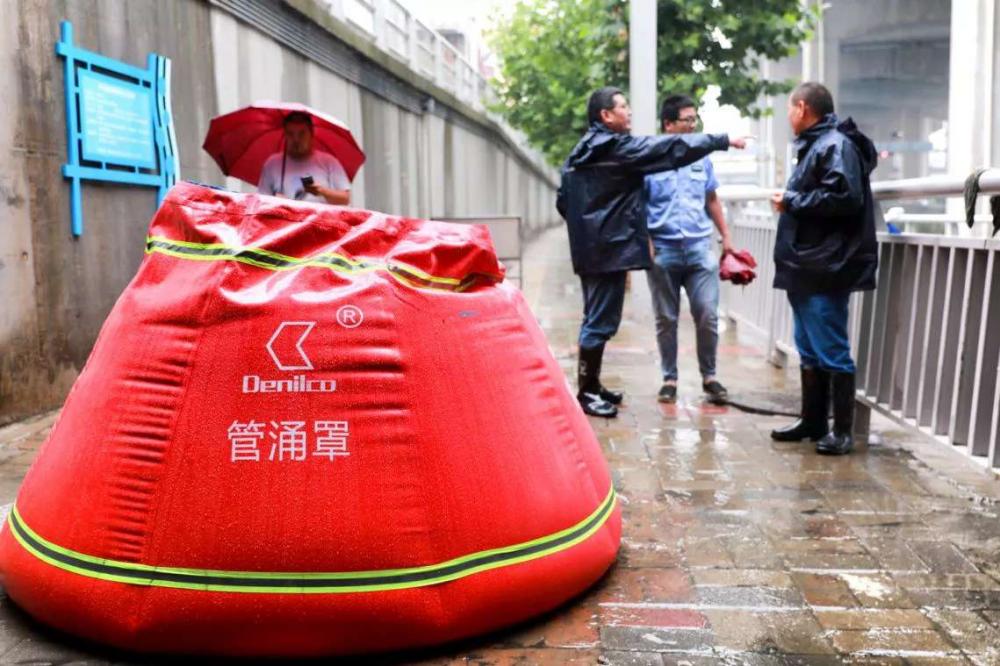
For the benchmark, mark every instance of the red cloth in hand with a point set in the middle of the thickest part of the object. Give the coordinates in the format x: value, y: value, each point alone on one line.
x: 738, y: 267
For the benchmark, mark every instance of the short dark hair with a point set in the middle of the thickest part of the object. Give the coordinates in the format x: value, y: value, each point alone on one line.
x: 670, y: 110
x: 297, y: 117
x: 816, y: 96
x: 602, y: 99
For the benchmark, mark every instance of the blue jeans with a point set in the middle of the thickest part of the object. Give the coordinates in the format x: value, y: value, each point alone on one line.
x: 821, y: 330
x: 603, y: 299
x: 690, y: 263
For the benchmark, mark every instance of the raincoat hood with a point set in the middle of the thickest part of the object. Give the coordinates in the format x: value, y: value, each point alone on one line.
x: 865, y: 146
x: 847, y: 127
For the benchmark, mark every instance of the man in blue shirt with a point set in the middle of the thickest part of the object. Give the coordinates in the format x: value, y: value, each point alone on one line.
x: 681, y: 210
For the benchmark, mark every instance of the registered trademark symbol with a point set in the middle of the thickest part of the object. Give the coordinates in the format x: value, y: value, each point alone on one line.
x: 350, y: 316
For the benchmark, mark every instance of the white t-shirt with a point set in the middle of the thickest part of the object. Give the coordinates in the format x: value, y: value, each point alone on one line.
x: 323, y: 167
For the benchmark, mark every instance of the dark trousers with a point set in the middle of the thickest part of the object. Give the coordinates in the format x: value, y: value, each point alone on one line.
x: 603, y: 299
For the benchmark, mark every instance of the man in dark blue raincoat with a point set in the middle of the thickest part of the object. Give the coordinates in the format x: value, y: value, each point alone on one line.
x: 825, y: 249
x: 601, y: 199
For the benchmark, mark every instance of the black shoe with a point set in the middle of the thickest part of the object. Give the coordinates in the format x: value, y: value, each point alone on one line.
x: 799, y: 431
x: 594, y: 405
x: 841, y: 440
x: 835, y: 444
x: 614, y: 397
x: 815, y: 400
x: 715, y: 391
x: 668, y: 393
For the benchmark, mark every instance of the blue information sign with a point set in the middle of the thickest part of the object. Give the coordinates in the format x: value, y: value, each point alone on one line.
x: 119, y: 127
x: 116, y: 121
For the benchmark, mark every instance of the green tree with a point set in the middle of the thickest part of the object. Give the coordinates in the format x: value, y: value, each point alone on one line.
x: 553, y: 53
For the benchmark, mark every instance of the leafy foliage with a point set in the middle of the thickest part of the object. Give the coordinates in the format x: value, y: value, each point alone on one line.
x: 554, y: 53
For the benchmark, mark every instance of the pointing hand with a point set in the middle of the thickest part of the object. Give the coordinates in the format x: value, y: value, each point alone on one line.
x: 740, y: 142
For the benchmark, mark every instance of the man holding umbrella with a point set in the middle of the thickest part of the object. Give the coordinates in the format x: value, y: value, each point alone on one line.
x: 286, y: 149
x: 302, y: 173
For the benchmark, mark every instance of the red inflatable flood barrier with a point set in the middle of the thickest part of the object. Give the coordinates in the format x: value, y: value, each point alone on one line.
x: 310, y: 430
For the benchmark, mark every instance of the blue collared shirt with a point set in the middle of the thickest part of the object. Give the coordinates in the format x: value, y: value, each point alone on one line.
x: 675, y: 202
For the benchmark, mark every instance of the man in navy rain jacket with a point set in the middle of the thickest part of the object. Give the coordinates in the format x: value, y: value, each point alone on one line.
x: 825, y: 249
x: 601, y: 199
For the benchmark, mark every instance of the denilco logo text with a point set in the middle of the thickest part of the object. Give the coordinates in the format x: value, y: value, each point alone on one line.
x: 289, y: 358
x: 297, y: 384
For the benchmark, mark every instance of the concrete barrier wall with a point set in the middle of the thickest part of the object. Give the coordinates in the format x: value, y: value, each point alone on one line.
x: 56, y: 290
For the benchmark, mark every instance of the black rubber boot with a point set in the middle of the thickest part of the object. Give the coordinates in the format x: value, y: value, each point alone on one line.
x: 607, y: 395
x: 812, y: 423
x: 614, y: 397
x: 588, y: 377
x: 841, y: 440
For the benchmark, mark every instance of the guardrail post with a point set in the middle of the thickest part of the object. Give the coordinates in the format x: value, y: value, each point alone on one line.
x: 337, y: 9
x: 412, y: 43
x: 437, y: 50
x: 774, y: 354
x: 379, y: 23
x: 862, y: 420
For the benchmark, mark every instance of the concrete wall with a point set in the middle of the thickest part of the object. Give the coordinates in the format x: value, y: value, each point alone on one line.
x: 55, y: 290
x: 906, y: 66
x: 972, y: 107
x: 995, y: 153
x: 887, y: 64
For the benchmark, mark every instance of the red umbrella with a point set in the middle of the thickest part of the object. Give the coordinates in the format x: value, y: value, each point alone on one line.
x: 242, y: 140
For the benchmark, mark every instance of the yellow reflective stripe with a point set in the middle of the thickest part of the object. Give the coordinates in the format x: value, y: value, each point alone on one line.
x: 306, y: 582
x: 254, y: 256
x: 239, y: 248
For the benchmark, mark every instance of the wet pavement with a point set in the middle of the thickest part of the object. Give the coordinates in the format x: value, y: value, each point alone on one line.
x: 735, y: 549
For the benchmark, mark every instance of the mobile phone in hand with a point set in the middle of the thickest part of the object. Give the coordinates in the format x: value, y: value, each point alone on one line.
x: 307, y: 181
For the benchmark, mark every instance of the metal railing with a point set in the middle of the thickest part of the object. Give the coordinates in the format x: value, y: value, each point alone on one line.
x: 393, y: 28
x: 926, y: 341
x: 937, y: 223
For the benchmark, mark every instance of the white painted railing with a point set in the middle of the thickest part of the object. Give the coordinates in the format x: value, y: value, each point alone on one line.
x: 394, y: 28
x: 926, y: 341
